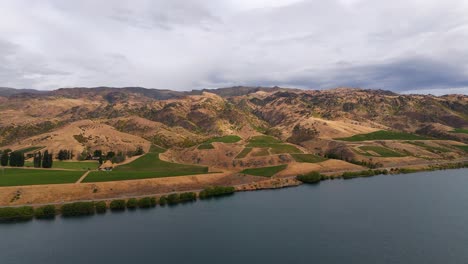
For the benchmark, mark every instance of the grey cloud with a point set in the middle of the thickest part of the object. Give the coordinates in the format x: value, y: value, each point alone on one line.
x: 186, y: 45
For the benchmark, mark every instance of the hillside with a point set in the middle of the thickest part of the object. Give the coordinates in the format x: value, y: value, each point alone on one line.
x: 118, y: 119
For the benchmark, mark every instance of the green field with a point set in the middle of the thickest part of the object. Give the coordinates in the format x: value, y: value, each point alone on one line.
x: 464, y: 148
x: 29, y: 149
x: 383, y: 152
x: 460, y: 130
x: 16, y: 177
x: 265, y: 171
x: 264, y: 140
x: 384, y: 135
x: 147, y: 166
x: 205, y: 146
x: 427, y: 147
x: 276, y: 146
x: 243, y: 153
x: 70, y: 165
x: 225, y: 139
x: 308, y: 158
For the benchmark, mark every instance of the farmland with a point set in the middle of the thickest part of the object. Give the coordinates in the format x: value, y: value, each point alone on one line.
x: 265, y: 171
x: 17, y: 177
x: 383, y: 135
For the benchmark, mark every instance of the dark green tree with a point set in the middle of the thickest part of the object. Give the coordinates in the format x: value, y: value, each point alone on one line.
x: 37, y: 159
x: 4, y: 158
x: 47, y: 160
x: 16, y: 159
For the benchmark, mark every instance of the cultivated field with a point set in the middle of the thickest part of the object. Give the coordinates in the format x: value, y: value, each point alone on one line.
x: 18, y: 177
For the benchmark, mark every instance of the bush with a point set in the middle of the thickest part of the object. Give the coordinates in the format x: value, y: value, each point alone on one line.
x: 11, y: 214
x: 163, y: 200
x: 101, y: 207
x: 45, y: 212
x: 216, y: 191
x: 173, y: 198
x: 78, y: 209
x: 132, y: 203
x: 188, y: 197
x: 117, y: 205
x: 311, y: 177
x: 147, y: 202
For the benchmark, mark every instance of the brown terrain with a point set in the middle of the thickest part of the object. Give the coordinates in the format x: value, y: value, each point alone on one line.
x: 123, y: 119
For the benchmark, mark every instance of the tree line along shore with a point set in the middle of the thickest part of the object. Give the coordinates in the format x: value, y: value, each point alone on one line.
x: 26, y: 213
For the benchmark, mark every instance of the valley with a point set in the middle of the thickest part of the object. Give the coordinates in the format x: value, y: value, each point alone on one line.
x: 130, y: 142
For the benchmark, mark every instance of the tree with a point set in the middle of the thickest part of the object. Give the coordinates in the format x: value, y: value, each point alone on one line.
x: 47, y: 160
x: 139, y: 151
x: 4, y: 158
x: 37, y: 159
x: 110, y: 155
x: 101, y: 160
x: 17, y: 159
x: 97, y: 153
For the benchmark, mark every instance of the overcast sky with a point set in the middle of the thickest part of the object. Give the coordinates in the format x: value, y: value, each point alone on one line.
x: 400, y: 45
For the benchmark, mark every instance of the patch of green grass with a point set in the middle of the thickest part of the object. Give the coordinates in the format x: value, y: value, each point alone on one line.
x: 147, y: 166
x: 29, y: 149
x: 264, y: 140
x: 156, y: 149
x: 464, y: 148
x: 427, y: 147
x: 383, y: 152
x: 205, y: 146
x: 460, y: 130
x: 262, y: 152
x: 276, y: 148
x: 384, y: 135
x: 16, y: 177
x: 309, y: 158
x: 225, y: 139
x: 69, y: 165
x: 265, y: 171
x: 243, y: 153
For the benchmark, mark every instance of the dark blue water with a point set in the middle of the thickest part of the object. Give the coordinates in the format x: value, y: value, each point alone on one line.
x: 413, y: 218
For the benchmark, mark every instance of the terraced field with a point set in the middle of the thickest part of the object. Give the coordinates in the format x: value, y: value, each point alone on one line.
x: 384, y: 135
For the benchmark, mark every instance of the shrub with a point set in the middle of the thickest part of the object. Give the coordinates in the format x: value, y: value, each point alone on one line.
x: 146, y: 202
x: 311, y: 177
x: 101, y: 207
x: 78, y: 209
x: 117, y: 205
x: 45, y: 212
x: 10, y: 214
x: 163, y: 200
x: 173, y: 198
x: 216, y: 191
x: 132, y: 203
x: 153, y: 201
x: 188, y: 197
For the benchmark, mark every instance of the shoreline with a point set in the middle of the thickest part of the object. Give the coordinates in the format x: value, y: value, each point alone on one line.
x: 266, y: 184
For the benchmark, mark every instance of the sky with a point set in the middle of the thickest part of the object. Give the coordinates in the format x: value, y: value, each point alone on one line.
x: 407, y: 46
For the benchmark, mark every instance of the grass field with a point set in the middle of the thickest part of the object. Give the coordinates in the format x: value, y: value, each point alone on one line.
x: 460, y: 130
x: 148, y: 166
x: 464, y: 148
x: 243, y: 153
x: 265, y: 171
x: 383, y: 152
x: 225, y: 139
x: 17, y: 177
x: 70, y: 165
x: 427, y: 147
x: 205, y: 146
x: 276, y: 146
x: 29, y: 149
x: 384, y: 135
x: 264, y: 140
x: 308, y: 158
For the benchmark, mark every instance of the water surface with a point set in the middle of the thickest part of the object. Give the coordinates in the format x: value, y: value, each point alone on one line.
x: 412, y: 218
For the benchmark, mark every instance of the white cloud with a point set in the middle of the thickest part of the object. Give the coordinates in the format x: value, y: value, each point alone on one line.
x: 398, y: 45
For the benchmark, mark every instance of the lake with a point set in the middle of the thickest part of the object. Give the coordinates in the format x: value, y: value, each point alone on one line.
x: 412, y: 218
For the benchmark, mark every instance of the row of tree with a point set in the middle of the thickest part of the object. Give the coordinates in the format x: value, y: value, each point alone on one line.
x: 14, y: 159
x: 43, y: 161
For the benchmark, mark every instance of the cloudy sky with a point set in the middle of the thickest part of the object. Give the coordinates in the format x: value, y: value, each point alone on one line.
x: 400, y: 45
